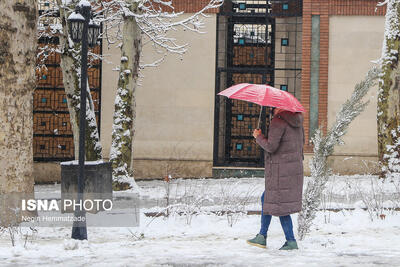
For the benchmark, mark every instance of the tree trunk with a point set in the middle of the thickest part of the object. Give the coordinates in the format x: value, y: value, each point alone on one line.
x: 18, y: 44
x: 121, y: 154
x: 71, y: 67
x: 388, y: 117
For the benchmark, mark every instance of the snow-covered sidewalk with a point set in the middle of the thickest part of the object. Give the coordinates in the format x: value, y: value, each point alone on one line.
x: 343, y: 238
x: 348, y: 239
x: 341, y: 191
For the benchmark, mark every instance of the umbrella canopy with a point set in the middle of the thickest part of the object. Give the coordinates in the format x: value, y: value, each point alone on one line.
x: 264, y: 95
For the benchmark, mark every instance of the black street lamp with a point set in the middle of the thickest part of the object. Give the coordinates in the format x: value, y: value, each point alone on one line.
x: 82, y: 28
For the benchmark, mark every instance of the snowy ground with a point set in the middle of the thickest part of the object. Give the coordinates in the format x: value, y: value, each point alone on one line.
x: 343, y: 238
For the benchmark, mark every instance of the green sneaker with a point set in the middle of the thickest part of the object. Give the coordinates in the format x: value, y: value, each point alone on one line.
x: 289, y: 245
x: 258, y: 241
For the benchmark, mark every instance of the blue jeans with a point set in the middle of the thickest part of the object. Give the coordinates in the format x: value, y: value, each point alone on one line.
x: 286, y: 222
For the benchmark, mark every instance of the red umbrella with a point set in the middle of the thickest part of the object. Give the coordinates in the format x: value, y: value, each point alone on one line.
x: 264, y: 95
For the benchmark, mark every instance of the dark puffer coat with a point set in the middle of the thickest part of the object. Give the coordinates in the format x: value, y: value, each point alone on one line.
x: 283, y: 164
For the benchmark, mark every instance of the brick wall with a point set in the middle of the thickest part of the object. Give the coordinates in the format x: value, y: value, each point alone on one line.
x: 325, y: 8
x: 191, y: 6
x: 356, y: 8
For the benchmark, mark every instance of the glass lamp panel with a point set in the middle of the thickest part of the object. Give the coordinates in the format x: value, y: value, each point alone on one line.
x: 80, y: 30
x: 76, y: 29
x: 76, y: 22
x: 93, y: 33
x: 91, y: 36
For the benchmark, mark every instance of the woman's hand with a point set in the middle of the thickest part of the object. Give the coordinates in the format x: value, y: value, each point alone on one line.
x: 256, y: 132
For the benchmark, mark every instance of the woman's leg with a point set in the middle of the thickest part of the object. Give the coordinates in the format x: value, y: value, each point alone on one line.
x: 265, y: 219
x: 287, y: 226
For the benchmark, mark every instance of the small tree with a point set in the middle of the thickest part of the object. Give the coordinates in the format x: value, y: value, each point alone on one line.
x: 324, y: 146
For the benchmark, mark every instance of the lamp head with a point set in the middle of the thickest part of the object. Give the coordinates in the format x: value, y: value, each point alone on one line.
x: 76, y: 22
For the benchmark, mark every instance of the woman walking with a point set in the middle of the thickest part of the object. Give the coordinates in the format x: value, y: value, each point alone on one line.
x: 283, y: 155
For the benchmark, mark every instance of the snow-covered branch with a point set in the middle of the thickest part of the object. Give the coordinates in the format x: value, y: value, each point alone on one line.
x: 379, y: 4
x: 154, y: 64
x: 156, y: 24
x: 156, y: 19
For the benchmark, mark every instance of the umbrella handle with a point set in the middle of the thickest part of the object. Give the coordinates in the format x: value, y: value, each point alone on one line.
x: 259, y: 118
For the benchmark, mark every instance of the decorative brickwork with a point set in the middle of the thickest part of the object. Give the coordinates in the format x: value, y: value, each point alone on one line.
x: 190, y: 6
x: 52, y: 133
x: 325, y: 8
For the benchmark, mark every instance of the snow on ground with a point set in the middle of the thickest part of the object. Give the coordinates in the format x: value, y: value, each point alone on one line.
x: 349, y: 239
x: 344, y: 238
x: 341, y: 191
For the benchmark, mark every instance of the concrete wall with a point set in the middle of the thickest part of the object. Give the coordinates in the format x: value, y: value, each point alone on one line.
x: 354, y: 41
x: 46, y: 172
x: 175, y: 108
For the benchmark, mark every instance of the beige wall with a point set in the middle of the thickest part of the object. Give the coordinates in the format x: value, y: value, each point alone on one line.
x: 175, y: 106
x: 354, y: 41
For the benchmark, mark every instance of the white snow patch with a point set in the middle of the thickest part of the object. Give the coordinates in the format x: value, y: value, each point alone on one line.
x: 76, y: 162
x: 84, y: 3
x: 76, y: 16
x: 348, y: 238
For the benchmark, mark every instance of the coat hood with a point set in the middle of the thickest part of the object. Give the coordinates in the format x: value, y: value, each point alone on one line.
x: 295, y: 120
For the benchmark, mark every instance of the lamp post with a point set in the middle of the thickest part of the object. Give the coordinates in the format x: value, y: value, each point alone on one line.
x: 82, y: 29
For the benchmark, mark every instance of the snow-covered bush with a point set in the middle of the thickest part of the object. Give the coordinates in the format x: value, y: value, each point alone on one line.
x: 19, y: 236
x: 373, y: 198
x: 234, y: 202
x: 396, y: 196
x: 324, y: 146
